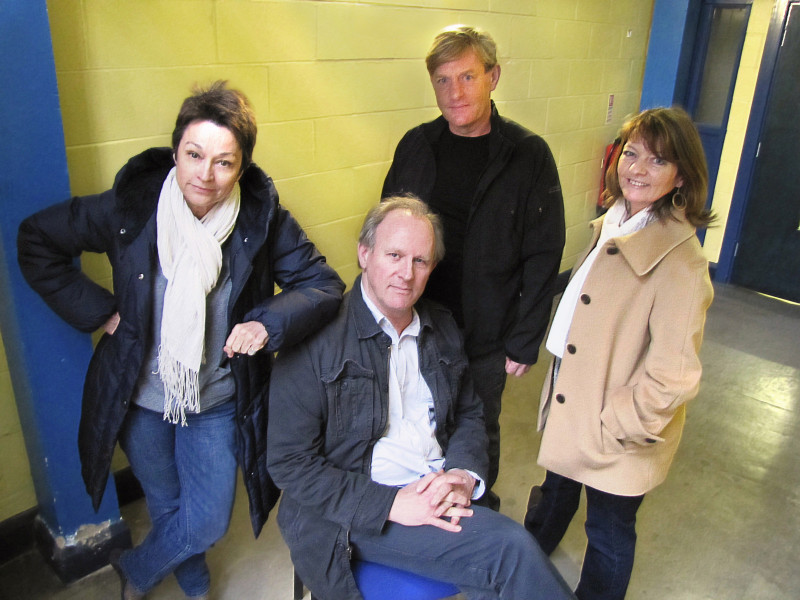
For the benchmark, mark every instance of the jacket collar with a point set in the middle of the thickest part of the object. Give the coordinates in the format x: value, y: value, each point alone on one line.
x: 138, y: 185
x: 365, y: 323
x: 258, y: 204
x: 644, y: 249
x: 501, y: 148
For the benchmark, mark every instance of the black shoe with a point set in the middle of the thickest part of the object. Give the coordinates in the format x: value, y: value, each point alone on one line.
x: 127, y: 591
x: 534, y: 497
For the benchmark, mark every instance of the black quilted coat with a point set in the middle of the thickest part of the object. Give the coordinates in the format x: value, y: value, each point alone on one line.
x: 268, y: 247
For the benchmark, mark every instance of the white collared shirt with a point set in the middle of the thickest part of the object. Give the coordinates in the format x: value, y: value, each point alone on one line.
x: 408, y: 449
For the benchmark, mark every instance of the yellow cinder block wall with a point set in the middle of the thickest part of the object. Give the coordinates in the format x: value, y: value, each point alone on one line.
x: 16, y: 487
x: 334, y: 85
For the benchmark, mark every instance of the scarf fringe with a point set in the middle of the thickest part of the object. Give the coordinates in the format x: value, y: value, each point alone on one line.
x: 181, y: 388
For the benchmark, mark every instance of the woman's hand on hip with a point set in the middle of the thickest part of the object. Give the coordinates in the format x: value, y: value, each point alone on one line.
x: 111, y: 325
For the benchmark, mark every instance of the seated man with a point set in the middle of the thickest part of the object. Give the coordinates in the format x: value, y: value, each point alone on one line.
x: 377, y: 438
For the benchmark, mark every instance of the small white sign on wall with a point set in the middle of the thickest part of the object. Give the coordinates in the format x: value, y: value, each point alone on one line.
x: 610, y: 110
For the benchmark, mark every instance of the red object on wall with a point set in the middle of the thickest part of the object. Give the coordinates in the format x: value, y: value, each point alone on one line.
x: 609, y: 159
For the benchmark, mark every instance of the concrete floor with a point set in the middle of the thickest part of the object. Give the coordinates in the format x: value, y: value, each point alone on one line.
x: 725, y: 525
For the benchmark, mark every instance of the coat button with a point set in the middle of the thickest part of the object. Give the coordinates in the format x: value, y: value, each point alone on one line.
x: 560, y: 398
x: 612, y: 250
x: 585, y: 298
x: 141, y: 276
x: 123, y: 231
x: 571, y: 348
x: 246, y: 240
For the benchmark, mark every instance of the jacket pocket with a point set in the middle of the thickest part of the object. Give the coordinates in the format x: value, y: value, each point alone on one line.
x: 351, y: 393
x: 611, y: 445
x: 453, y: 369
x: 449, y: 381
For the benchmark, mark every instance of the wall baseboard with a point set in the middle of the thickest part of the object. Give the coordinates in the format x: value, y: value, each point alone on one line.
x: 16, y: 534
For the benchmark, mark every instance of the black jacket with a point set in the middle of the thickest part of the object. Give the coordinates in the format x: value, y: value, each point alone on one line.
x: 514, y: 238
x: 330, y: 406
x: 267, y: 247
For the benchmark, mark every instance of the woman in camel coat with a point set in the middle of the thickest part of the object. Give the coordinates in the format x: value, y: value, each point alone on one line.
x: 625, y: 338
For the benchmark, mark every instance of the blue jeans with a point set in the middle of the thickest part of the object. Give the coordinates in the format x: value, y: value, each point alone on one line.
x: 491, y: 557
x: 188, y: 475
x: 610, y: 529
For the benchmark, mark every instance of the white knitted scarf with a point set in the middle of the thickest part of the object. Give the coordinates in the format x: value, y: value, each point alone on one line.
x: 191, y: 259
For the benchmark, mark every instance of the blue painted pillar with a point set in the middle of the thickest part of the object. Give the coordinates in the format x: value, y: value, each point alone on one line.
x: 47, y: 358
x: 671, y: 34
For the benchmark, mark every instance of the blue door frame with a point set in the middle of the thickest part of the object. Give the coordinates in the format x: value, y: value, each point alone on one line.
x: 741, y: 191
x: 666, y: 78
x: 712, y: 136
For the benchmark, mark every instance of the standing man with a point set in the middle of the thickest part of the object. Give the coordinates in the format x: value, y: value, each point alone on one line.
x: 495, y: 186
x: 377, y: 439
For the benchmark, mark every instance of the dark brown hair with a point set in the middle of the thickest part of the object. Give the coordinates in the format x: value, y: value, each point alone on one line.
x: 224, y: 107
x: 669, y: 133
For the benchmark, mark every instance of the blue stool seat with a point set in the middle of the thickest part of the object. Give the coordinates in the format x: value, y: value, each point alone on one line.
x: 379, y: 582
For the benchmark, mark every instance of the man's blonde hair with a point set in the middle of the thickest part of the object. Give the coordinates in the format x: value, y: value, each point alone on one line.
x: 453, y: 41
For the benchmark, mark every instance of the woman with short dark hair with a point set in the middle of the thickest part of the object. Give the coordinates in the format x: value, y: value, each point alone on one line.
x: 197, y: 242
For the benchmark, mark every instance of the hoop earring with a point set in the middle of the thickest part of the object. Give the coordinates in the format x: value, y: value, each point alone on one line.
x: 678, y: 199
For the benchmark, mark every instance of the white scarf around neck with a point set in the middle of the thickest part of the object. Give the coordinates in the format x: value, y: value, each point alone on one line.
x: 190, y: 253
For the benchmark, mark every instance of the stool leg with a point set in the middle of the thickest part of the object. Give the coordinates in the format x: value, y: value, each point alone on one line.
x: 299, y: 588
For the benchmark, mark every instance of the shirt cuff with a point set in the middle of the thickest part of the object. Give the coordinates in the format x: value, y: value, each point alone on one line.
x: 479, y: 488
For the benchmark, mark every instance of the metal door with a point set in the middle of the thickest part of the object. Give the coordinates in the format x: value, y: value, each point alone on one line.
x: 767, y: 255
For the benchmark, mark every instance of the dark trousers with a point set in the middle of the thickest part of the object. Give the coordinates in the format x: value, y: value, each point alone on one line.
x: 489, y: 379
x: 491, y: 558
x: 610, y: 529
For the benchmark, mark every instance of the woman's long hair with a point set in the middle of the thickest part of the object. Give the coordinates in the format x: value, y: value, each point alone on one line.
x: 669, y: 133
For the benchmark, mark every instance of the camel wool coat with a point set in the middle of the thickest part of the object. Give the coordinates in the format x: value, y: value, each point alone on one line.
x: 613, y: 418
